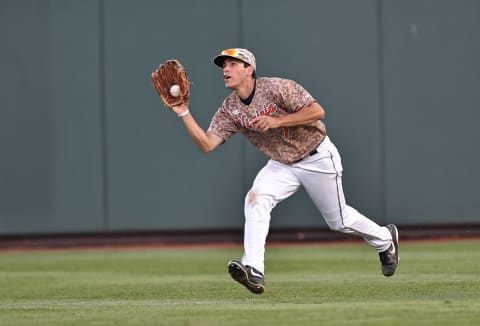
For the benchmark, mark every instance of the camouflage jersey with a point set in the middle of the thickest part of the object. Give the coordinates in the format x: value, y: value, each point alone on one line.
x: 273, y: 97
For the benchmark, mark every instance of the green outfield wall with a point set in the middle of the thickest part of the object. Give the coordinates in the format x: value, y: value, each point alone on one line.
x: 87, y: 146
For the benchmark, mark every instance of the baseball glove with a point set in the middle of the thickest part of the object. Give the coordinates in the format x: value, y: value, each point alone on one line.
x: 170, y: 73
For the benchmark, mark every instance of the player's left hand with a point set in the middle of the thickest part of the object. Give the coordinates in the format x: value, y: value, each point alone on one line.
x: 264, y: 123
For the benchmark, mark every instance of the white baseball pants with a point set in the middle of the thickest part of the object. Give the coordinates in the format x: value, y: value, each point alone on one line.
x: 321, y: 176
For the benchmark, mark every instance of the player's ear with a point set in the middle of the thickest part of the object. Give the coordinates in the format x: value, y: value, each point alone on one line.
x: 251, y: 71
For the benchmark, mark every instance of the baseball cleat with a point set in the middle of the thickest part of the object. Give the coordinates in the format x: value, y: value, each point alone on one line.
x: 248, y: 276
x: 389, y: 257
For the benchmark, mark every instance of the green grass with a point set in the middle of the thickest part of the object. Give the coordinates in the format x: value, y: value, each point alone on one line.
x: 436, y: 284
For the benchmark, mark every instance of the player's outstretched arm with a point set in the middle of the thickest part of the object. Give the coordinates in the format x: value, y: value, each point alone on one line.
x: 206, y: 142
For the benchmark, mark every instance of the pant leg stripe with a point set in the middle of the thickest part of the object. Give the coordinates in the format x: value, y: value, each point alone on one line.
x: 336, y: 182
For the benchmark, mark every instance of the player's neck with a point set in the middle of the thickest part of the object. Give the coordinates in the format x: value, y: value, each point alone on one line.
x: 244, y: 90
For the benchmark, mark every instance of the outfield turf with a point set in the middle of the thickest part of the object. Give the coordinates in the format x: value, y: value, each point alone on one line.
x: 436, y: 284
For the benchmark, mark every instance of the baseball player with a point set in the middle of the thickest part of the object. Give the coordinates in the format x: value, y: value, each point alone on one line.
x: 284, y: 121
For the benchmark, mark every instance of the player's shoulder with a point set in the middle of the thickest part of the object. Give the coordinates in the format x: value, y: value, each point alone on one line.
x: 277, y: 84
x: 279, y: 81
x: 272, y: 80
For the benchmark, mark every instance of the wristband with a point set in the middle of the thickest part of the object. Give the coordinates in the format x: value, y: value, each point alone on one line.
x: 184, y: 113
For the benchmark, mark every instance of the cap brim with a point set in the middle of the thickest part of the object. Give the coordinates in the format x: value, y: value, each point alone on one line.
x: 220, y: 59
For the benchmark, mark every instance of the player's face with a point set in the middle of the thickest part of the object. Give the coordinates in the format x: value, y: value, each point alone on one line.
x: 234, y: 73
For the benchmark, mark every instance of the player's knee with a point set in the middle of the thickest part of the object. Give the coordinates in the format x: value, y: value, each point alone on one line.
x: 256, y: 205
x: 338, y: 223
x: 251, y: 198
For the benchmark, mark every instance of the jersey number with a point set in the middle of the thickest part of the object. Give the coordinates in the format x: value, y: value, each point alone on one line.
x: 285, y: 131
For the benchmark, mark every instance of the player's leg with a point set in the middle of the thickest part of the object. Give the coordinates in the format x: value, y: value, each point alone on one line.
x: 274, y: 183
x: 321, y: 175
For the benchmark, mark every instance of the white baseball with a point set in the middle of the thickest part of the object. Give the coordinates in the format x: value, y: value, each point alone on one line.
x: 175, y: 90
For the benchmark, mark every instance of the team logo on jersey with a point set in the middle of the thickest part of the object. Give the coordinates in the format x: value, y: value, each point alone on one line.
x: 267, y: 110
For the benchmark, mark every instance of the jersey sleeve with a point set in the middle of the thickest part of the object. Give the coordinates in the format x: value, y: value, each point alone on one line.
x: 293, y: 96
x: 223, y: 125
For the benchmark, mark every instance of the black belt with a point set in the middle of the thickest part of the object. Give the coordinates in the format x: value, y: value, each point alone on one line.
x: 313, y: 152
x: 309, y: 154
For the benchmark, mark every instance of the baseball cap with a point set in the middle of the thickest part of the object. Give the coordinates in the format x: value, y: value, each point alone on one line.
x: 236, y: 53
